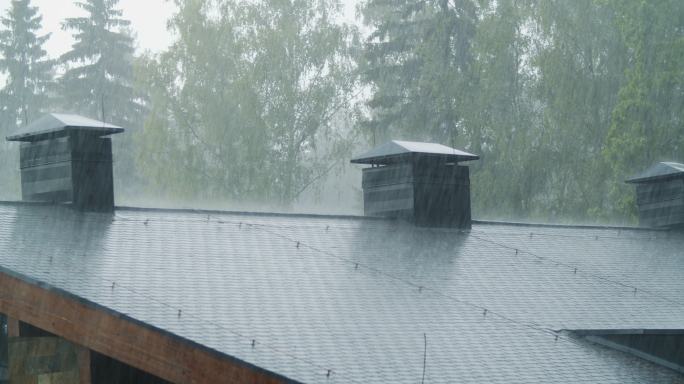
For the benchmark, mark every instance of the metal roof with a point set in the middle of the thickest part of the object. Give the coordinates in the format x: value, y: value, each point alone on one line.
x: 396, y: 150
x: 357, y: 296
x: 56, y: 123
x: 662, y: 170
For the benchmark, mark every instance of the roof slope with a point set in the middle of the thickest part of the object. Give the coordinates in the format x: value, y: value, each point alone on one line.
x: 357, y: 296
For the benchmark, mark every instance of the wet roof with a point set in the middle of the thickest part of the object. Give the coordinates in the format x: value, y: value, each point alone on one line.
x: 55, y: 123
x: 659, y: 171
x: 396, y: 150
x: 359, y: 296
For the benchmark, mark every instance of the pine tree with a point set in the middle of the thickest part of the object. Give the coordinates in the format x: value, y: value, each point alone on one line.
x: 417, y: 60
x: 25, y: 62
x: 28, y: 74
x: 98, y: 81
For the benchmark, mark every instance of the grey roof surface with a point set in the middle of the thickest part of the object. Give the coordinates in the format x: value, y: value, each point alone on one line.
x: 662, y: 170
x: 356, y: 296
x: 53, y: 123
x: 395, y: 149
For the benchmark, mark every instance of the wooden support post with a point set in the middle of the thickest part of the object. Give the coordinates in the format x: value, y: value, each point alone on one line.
x: 12, y: 327
x: 83, y: 357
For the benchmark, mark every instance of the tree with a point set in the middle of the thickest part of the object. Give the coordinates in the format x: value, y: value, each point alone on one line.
x: 98, y: 80
x: 417, y: 61
x: 25, y: 62
x: 243, y: 98
x: 581, y: 67
x: 501, y: 113
x: 647, y: 119
x: 28, y: 75
x: 530, y: 86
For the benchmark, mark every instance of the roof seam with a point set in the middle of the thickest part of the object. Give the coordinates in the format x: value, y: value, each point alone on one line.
x: 577, y: 269
x: 115, y: 285
x: 555, y: 333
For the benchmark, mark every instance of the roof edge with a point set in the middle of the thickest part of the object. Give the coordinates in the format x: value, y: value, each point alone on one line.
x: 334, y: 216
x: 254, y: 213
x: 599, y: 340
x: 626, y: 331
x: 192, y: 343
x: 209, y: 211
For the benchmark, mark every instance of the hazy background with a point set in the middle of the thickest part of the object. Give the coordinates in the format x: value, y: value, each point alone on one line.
x: 259, y: 105
x: 149, y: 18
x: 148, y: 21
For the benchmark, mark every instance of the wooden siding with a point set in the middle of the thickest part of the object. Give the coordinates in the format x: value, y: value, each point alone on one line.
x: 423, y: 192
x: 76, y: 168
x: 35, y: 360
x: 661, y: 203
x: 132, y: 343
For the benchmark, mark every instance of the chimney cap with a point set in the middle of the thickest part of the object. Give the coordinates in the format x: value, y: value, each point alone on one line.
x: 397, y: 151
x: 659, y: 171
x: 58, y: 124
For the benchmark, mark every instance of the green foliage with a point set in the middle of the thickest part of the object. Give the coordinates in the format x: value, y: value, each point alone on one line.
x: 647, y: 122
x: 562, y: 99
x: 581, y: 69
x: 500, y: 114
x: 417, y: 61
x: 98, y: 81
x: 243, y: 99
x: 28, y: 75
x: 258, y: 100
x: 24, y: 61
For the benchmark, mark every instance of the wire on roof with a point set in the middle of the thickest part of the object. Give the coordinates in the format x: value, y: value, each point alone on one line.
x: 264, y: 227
x: 618, y: 236
x: 231, y: 331
x: 538, y: 257
x: 434, y: 291
x: 219, y: 326
x: 485, y: 310
x: 582, y: 271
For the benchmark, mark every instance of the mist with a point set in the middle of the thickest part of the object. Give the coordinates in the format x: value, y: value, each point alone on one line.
x: 259, y: 106
x: 325, y: 191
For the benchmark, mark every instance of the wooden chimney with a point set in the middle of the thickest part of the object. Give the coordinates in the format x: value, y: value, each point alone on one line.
x: 65, y: 158
x: 419, y: 182
x: 660, y: 195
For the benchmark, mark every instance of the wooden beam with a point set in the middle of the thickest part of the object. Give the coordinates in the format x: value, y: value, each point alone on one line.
x: 83, y: 361
x: 12, y: 327
x: 160, y: 354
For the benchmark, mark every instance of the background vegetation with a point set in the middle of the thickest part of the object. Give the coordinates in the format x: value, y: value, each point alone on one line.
x: 265, y: 101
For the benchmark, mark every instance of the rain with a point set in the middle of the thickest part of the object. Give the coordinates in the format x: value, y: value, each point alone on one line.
x: 341, y: 190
